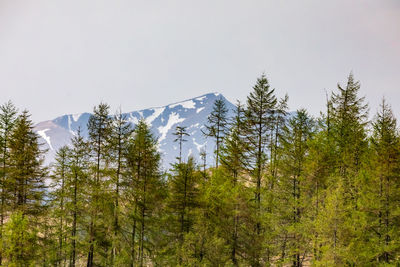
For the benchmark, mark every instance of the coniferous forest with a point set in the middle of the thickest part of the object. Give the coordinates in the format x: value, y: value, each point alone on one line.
x: 285, y: 189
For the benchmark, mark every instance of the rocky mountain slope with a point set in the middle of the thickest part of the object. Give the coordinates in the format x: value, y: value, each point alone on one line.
x: 190, y: 113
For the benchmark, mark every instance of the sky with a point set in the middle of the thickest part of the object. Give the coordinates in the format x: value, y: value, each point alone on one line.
x: 63, y: 57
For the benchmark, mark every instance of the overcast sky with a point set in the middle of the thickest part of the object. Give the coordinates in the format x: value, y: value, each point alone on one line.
x: 59, y: 57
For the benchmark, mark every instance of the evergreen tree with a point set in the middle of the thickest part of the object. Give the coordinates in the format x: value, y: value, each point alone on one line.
x: 59, y: 201
x: 348, y: 116
x: 291, y: 194
x: 217, y: 123
x: 279, y: 123
x: 27, y: 185
x: 99, y: 128
x: 383, y: 196
x: 120, y: 133
x: 287, y: 190
x: 233, y: 161
x: 181, y: 203
x: 26, y: 174
x: 146, y: 193
x: 20, y: 241
x: 77, y: 191
x: 259, y: 116
x: 180, y: 133
x: 7, y: 123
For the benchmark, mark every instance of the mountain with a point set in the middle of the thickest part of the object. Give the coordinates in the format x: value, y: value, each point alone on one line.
x: 191, y: 113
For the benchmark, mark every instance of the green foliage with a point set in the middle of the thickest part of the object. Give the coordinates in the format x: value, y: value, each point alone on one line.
x: 8, y: 117
x: 286, y: 189
x: 180, y: 133
x: 217, y: 125
x: 20, y: 241
x: 26, y: 172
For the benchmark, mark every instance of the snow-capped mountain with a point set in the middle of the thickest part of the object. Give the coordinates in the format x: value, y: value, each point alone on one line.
x: 190, y: 113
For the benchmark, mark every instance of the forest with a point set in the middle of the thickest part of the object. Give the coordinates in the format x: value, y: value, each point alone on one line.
x: 285, y: 189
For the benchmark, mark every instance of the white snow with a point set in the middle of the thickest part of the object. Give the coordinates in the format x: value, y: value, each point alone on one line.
x: 201, y: 98
x: 198, y: 146
x: 172, y: 120
x: 199, y: 109
x: 194, y: 125
x: 69, y: 126
x: 76, y: 117
x: 187, y: 104
x: 133, y: 120
x: 157, y: 112
x: 42, y: 134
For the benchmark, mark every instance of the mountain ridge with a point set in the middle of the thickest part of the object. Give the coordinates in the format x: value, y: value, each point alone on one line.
x: 191, y: 113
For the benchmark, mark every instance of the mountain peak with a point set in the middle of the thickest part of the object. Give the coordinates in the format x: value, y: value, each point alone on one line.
x: 191, y: 113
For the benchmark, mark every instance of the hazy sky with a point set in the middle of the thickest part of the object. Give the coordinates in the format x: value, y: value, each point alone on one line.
x: 60, y: 57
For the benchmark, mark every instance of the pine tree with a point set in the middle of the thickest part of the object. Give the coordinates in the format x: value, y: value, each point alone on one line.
x: 20, y: 241
x: 291, y: 194
x: 27, y: 185
x: 120, y: 133
x: 348, y: 116
x: 180, y: 133
x: 146, y: 192
x: 233, y: 161
x: 385, y: 185
x: 27, y: 174
x: 59, y: 202
x: 99, y: 128
x: 7, y: 123
x: 279, y: 123
x: 203, y: 158
x: 181, y: 202
x: 259, y: 116
x: 77, y: 190
x: 216, y: 127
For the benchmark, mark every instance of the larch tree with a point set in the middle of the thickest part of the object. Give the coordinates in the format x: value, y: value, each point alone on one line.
x: 181, y: 203
x: 180, y: 133
x: 121, y: 131
x: 217, y: 124
x: 59, y: 199
x: 348, y: 119
x: 384, y: 193
x: 143, y: 161
x: 77, y: 191
x: 291, y: 192
x: 99, y: 128
x: 27, y: 179
x: 233, y: 161
x: 8, y: 115
x: 261, y: 103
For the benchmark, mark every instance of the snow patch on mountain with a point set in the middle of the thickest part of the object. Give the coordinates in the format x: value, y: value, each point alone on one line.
x: 192, y: 114
x: 200, y: 98
x: 42, y: 134
x: 200, y: 109
x: 189, y: 104
x: 157, y: 112
x: 173, y: 119
x: 198, y: 146
x: 76, y: 117
x: 69, y: 125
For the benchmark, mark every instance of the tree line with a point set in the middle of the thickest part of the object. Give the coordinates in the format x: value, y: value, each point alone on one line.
x: 286, y: 189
